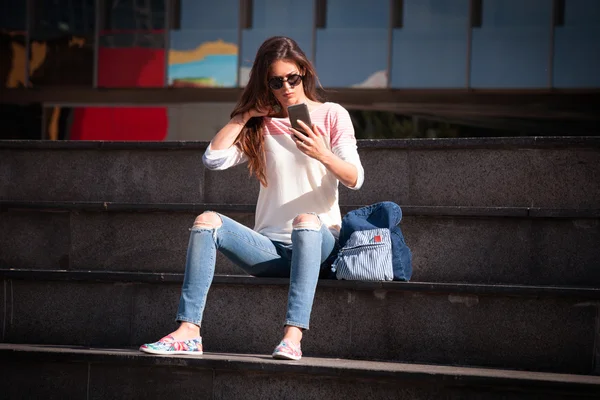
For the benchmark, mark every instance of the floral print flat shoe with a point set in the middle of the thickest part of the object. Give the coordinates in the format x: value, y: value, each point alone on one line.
x: 168, y: 345
x: 287, y: 350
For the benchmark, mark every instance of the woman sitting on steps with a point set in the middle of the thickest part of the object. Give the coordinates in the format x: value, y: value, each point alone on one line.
x: 297, y: 209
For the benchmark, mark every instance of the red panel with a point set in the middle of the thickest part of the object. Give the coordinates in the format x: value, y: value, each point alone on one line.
x: 124, y: 67
x: 122, y: 123
x: 131, y: 67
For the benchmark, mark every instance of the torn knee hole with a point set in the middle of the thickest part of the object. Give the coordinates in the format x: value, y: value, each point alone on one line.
x: 307, y: 225
x: 205, y: 225
x: 207, y: 221
x: 307, y: 222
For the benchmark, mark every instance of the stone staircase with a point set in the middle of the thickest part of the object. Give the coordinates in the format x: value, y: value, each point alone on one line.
x: 503, y: 303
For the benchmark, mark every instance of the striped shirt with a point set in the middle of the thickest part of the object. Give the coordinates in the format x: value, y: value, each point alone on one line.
x: 297, y: 183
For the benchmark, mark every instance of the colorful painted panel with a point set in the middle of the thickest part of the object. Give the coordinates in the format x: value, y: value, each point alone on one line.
x: 204, y: 49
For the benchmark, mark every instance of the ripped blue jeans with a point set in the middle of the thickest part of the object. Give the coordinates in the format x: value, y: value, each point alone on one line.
x: 259, y: 256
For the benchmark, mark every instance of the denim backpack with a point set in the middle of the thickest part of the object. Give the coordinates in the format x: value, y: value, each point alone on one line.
x: 372, y: 245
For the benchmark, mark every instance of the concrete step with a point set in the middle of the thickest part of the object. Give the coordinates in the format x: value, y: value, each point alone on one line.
x: 75, y: 372
x: 516, y: 327
x: 551, y: 172
x: 512, y: 245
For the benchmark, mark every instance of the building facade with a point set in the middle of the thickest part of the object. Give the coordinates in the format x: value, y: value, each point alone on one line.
x: 173, y: 69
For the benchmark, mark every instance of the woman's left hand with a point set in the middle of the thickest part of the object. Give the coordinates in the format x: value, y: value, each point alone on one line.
x: 312, y: 143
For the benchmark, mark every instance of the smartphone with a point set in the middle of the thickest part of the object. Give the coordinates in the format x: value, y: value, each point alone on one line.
x: 299, y: 112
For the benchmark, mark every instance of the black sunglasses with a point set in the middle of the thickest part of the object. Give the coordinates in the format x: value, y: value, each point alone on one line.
x: 276, y: 82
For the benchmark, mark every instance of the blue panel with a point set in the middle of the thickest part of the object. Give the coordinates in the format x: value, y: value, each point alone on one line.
x: 512, y: 47
x: 206, y: 14
x: 352, y: 50
x: 577, y: 46
x: 430, y: 50
x: 278, y: 18
x: 344, y: 14
x: 204, y: 52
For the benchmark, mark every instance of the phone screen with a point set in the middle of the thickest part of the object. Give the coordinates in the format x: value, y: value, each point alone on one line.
x: 299, y: 112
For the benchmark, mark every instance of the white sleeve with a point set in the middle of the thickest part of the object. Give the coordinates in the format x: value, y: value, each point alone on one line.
x: 223, y: 159
x: 349, y: 153
x: 343, y: 141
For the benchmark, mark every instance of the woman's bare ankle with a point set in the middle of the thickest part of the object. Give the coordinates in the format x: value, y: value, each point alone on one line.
x: 292, y: 333
x: 186, y: 331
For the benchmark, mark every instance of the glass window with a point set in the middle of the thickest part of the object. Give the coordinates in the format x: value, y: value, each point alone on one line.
x: 204, y: 49
x: 374, y: 124
x: 105, y: 123
x: 21, y: 122
x: 577, y: 46
x: 511, y: 48
x: 291, y: 18
x: 352, y: 49
x: 131, y: 51
x: 62, y: 43
x: 12, y: 43
x: 197, y: 121
x: 430, y: 47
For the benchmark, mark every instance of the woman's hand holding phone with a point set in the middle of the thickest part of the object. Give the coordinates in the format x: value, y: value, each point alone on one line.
x: 310, y: 143
x: 297, y: 113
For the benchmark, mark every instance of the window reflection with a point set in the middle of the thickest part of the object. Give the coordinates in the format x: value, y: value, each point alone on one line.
x: 352, y: 49
x: 21, y: 122
x: 430, y: 46
x: 204, y: 50
x: 105, y: 123
x: 290, y: 18
x: 511, y: 49
x: 381, y: 124
x: 12, y: 43
x: 62, y: 43
x: 213, y: 44
x: 577, y: 45
x: 131, y: 49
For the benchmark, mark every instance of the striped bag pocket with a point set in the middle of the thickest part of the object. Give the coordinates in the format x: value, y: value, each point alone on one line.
x: 366, y: 256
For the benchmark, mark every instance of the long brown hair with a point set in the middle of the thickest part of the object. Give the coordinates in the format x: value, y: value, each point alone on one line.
x: 257, y: 94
